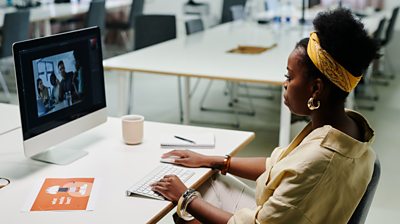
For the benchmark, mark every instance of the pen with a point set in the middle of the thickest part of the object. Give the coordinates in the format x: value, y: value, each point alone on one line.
x: 184, y: 139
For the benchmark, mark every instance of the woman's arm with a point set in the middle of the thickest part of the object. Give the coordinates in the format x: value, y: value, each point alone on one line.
x: 249, y: 168
x: 172, y: 188
x: 207, y: 213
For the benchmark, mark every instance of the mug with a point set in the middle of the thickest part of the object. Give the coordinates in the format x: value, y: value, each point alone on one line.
x: 132, y: 129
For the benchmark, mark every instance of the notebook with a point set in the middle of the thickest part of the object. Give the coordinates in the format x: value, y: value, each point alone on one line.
x: 188, y: 140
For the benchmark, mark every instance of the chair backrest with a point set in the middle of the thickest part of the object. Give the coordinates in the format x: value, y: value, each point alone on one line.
x: 361, y: 212
x: 194, y: 26
x: 136, y: 10
x: 15, y: 28
x: 226, y: 9
x: 97, y: 14
x: 378, y: 32
x: 237, y: 12
x: 390, y: 28
x: 153, y: 29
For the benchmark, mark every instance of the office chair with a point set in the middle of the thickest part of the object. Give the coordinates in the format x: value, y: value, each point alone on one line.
x: 194, y: 26
x: 125, y: 26
x: 96, y: 14
x: 151, y: 30
x: 226, y: 9
x: 384, y: 42
x: 15, y: 28
x: 361, y: 212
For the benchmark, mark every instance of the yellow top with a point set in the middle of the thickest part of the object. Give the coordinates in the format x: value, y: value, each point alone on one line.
x: 327, y: 65
x: 319, y: 178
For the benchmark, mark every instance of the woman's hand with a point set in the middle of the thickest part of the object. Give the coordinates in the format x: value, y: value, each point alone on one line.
x: 189, y: 158
x: 170, y: 186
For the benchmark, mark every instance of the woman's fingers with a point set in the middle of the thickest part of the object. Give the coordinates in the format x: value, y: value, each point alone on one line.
x: 167, y: 187
x: 176, y: 152
x: 182, y: 161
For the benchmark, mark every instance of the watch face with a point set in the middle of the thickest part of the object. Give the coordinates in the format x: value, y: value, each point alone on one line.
x: 4, y: 182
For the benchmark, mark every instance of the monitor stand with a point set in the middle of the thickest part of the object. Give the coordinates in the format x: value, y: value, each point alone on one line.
x: 60, y: 155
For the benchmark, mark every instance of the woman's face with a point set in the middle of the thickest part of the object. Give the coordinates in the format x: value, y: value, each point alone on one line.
x: 297, y: 85
x: 40, y: 85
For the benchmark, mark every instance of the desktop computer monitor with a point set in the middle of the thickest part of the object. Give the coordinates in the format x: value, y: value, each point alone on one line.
x: 61, y: 94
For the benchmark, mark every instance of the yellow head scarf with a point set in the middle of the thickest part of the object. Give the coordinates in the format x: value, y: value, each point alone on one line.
x: 325, y: 63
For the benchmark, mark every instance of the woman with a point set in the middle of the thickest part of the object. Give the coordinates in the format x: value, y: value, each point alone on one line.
x: 322, y: 175
x: 43, y: 91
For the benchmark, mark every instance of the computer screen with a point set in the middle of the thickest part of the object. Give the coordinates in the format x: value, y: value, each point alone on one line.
x: 60, y: 84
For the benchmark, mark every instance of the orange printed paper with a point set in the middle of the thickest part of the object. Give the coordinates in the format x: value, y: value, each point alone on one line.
x: 63, y: 194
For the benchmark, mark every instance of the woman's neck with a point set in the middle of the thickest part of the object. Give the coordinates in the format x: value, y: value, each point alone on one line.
x: 334, y: 116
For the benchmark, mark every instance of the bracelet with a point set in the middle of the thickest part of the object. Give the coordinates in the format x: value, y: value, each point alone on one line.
x: 190, y: 198
x: 181, y: 204
x: 227, y: 164
x: 179, y: 207
x: 187, y: 197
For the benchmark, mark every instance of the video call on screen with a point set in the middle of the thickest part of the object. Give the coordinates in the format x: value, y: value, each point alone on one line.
x: 62, y: 82
x: 59, y: 82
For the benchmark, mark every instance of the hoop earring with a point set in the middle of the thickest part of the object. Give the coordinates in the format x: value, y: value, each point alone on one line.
x: 311, y: 105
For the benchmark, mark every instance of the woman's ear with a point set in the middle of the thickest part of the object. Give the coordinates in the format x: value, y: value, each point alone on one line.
x: 317, y: 87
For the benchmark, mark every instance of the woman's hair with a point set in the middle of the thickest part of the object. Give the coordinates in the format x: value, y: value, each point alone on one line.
x: 346, y: 40
x: 53, y: 79
x: 37, y: 84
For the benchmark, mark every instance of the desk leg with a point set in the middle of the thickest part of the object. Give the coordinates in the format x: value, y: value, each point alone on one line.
x: 36, y: 29
x: 130, y: 93
x: 122, y: 94
x: 47, y: 27
x: 186, y: 101
x: 284, y: 131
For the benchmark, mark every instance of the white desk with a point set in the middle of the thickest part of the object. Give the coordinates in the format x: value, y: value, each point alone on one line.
x: 203, y: 55
x: 45, y: 12
x: 9, y: 123
x: 117, y: 165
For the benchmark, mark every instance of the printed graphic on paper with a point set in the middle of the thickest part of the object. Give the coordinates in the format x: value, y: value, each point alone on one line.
x: 63, y: 194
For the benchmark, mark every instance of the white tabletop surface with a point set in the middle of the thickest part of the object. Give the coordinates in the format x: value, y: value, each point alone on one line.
x: 205, y: 54
x: 117, y: 165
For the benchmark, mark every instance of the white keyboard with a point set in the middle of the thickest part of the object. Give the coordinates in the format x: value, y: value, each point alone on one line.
x: 142, y: 187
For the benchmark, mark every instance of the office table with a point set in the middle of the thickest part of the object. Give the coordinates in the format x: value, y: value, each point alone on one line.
x: 45, y: 12
x: 116, y: 165
x: 204, y: 55
x: 9, y: 123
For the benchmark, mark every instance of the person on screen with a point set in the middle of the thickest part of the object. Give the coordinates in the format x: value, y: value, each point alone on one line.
x: 55, y: 93
x: 323, y: 174
x: 78, y: 76
x: 43, y: 92
x: 67, y: 85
